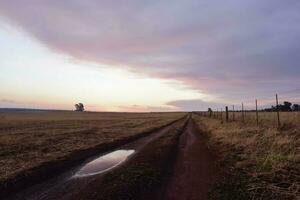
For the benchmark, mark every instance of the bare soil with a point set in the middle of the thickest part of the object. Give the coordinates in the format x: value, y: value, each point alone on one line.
x: 194, y: 172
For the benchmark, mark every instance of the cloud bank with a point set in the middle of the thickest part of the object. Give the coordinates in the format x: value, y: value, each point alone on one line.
x: 230, y: 49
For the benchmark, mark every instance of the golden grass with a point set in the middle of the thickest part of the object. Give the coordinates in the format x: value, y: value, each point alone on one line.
x: 264, y: 161
x: 30, y: 139
x: 265, y: 119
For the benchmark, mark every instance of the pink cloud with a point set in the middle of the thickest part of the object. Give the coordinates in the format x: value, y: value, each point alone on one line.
x: 233, y: 49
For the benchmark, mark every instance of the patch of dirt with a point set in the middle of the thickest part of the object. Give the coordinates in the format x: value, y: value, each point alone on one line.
x: 194, y: 171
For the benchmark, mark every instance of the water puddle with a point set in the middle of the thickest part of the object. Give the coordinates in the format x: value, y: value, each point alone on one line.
x: 104, y: 163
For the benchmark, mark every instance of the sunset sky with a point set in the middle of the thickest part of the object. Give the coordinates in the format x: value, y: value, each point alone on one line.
x: 140, y: 55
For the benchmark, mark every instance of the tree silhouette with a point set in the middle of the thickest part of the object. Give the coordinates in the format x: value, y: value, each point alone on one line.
x: 79, y: 107
x: 210, y: 112
x: 296, y: 107
x: 287, y: 106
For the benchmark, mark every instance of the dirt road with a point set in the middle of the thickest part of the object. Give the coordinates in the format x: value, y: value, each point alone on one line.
x: 176, y: 156
x: 194, y: 171
x: 66, y: 187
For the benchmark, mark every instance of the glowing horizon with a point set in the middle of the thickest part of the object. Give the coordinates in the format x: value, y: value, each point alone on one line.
x: 54, y: 81
x: 137, y: 56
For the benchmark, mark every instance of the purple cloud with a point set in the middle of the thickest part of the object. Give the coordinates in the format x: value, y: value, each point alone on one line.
x: 195, y: 105
x: 232, y: 49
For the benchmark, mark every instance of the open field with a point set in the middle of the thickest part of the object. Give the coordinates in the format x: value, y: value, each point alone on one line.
x: 28, y: 140
x: 170, y: 163
x: 175, y: 157
x: 258, y: 162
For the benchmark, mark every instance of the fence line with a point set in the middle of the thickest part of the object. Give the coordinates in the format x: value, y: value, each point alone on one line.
x: 242, y: 113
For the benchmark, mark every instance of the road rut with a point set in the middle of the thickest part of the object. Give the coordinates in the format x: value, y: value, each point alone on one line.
x: 194, y: 171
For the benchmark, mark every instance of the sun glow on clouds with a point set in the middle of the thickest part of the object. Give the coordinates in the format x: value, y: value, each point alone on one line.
x: 33, y: 76
x: 231, y: 51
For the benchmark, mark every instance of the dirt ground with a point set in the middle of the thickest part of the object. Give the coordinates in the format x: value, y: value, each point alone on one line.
x: 173, y: 163
x: 194, y: 171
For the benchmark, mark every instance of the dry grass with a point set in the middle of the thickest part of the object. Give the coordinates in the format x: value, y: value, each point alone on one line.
x: 266, y: 119
x: 260, y: 163
x: 29, y: 139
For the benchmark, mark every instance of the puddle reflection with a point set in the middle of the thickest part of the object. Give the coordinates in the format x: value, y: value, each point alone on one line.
x: 104, y: 163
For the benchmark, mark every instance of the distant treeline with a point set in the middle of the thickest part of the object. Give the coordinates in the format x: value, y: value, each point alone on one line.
x: 286, y: 106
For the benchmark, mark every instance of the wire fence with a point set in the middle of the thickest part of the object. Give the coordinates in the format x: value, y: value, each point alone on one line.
x: 274, y: 117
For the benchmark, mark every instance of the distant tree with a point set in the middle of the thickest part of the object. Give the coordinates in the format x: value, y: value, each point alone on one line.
x: 270, y: 109
x: 210, y: 112
x: 79, y: 107
x: 287, y: 106
x: 296, y: 107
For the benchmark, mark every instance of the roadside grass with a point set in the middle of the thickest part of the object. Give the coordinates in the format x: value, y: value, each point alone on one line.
x: 267, y: 119
x: 28, y: 140
x: 258, y: 163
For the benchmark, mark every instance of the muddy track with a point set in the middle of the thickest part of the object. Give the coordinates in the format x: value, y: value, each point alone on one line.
x: 173, y: 163
x: 62, y: 186
x: 194, y: 171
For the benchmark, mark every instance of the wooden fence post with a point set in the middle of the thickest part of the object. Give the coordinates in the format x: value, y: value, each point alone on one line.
x: 232, y: 112
x: 277, y: 108
x: 221, y: 115
x: 256, y: 112
x: 227, y: 116
x: 243, y: 117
